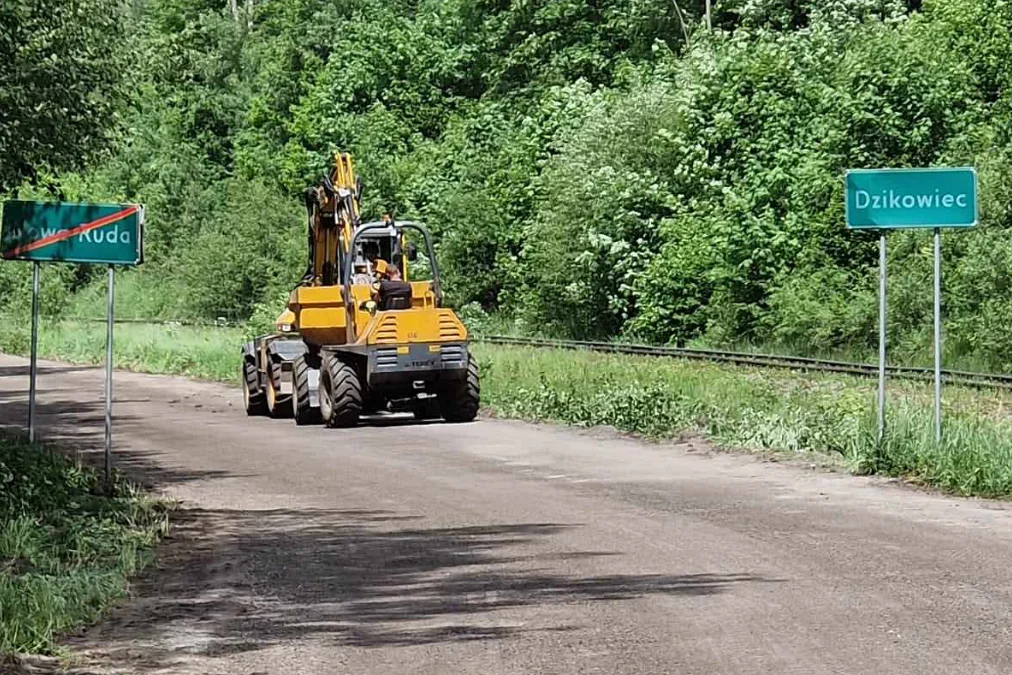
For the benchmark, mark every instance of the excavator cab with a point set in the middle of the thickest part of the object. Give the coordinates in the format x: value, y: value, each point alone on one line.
x: 339, y: 353
x: 367, y: 254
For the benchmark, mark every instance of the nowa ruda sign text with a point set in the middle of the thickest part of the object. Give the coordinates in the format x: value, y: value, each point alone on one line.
x: 80, y: 233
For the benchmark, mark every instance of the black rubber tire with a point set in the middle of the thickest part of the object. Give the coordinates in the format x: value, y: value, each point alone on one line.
x: 252, y: 397
x: 278, y: 407
x: 340, y: 394
x: 304, y: 413
x: 460, y: 402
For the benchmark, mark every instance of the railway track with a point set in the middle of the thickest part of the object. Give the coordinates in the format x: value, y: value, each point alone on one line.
x: 800, y: 363
x: 797, y: 363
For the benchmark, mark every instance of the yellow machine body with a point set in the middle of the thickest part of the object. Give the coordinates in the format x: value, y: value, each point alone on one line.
x: 318, y: 314
x: 316, y: 309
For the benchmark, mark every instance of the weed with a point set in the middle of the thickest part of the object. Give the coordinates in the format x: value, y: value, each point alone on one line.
x: 65, y: 550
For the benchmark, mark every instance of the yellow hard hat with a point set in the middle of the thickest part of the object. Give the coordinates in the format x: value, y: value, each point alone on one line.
x: 381, y: 267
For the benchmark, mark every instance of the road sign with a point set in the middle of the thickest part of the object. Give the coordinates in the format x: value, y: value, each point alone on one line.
x: 81, y: 233
x: 901, y: 198
x: 886, y: 199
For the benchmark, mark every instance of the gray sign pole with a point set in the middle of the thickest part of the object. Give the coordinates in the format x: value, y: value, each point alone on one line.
x: 34, y: 369
x: 108, y: 383
x: 881, y: 337
x: 938, y: 335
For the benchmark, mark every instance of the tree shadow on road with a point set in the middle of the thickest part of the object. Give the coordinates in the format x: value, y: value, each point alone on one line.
x: 25, y: 370
x: 237, y: 581
x: 68, y: 422
x: 77, y: 428
x: 228, y: 582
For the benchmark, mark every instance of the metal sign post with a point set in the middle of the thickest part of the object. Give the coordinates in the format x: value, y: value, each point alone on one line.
x: 938, y: 335
x: 75, y: 233
x: 881, y: 337
x: 34, y: 368
x: 108, y: 380
x: 885, y: 199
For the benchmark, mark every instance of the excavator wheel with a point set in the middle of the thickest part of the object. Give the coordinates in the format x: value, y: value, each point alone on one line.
x: 252, y: 397
x: 302, y: 409
x: 459, y: 403
x: 340, y: 394
x: 278, y: 406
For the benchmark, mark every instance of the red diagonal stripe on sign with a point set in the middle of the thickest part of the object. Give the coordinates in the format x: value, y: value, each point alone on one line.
x: 67, y: 234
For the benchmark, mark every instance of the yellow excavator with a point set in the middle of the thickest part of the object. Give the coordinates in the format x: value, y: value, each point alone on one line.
x: 342, y: 348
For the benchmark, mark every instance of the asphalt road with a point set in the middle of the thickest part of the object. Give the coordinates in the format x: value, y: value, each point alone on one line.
x: 499, y: 547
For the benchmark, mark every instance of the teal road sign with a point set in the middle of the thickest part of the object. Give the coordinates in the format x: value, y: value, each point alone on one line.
x: 80, y: 233
x: 901, y: 198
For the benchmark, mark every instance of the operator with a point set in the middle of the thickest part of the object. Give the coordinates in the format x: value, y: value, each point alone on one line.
x: 361, y: 277
x: 391, y: 291
x: 371, y: 251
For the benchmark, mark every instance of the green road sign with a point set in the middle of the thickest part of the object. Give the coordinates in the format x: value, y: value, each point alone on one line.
x: 81, y: 233
x: 899, y: 198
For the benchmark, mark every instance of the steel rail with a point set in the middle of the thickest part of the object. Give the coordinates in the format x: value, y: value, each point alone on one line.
x: 154, y: 322
x: 972, y: 379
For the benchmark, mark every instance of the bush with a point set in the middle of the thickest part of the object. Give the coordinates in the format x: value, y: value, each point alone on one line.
x: 251, y: 248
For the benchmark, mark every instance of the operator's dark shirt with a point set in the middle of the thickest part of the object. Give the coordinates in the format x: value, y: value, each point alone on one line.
x: 393, y: 294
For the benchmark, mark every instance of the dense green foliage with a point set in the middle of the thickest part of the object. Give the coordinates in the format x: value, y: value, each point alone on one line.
x: 65, y: 550
x: 60, y: 88
x: 57, y: 83
x: 591, y: 169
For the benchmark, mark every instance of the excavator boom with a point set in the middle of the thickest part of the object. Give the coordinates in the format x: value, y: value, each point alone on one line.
x: 333, y: 208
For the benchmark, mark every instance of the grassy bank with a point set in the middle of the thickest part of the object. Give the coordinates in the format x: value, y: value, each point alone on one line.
x: 737, y: 408
x: 66, y: 550
x: 763, y: 410
x: 178, y: 350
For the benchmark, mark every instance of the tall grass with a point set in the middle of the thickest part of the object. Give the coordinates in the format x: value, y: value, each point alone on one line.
x: 66, y: 550
x: 735, y: 407
x: 210, y: 353
x: 974, y: 457
x: 755, y: 410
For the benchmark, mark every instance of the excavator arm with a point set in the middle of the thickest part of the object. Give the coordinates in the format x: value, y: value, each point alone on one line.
x: 333, y: 209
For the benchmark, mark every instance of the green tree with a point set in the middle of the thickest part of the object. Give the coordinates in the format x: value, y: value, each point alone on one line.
x: 59, y: 67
